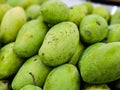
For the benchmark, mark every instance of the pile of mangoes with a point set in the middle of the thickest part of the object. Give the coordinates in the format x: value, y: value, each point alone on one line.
x: 46, y: 45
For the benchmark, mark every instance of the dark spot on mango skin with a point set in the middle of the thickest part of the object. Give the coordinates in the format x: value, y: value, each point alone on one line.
x: 43, y: 54
x: 98, y: 23
x: 88, y: 32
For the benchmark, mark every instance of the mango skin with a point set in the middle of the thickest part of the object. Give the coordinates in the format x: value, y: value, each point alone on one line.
x: 30, y: 87
x: 34, y: 66
x: 11, y: 24
x: 3, y: 9
x: 54, y: 11
x: 93, y: 28
x: 113, y: 33
x: 60, y: 44
x: 4, y: 85
x: 64, y: 77
x: 101, y: 64
x: 9, y: 61
x: 30, y: 38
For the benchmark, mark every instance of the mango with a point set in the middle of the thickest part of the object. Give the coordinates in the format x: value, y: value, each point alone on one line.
x: 33, y: 71
x: 30, y: 87
x: 4, y: 85
x: 60, y: 44
x: 64, y: 77
x: 77, y: 13
x: 30, y: 38
x: 102, y: 11
x: 54, y: 11
x: 89, y: 6
x: 93, y: 28
x: 79, y: 50
x: 9, y: 61
x: 115, y: 18
x: 101, y: 64
x: 113, y: 33
x: 3, y: 9
x: 24, y: 3
x: 97, y: 87
x: 33, y: 11
x: 11, y: 24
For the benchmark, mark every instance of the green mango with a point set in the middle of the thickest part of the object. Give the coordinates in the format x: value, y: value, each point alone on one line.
x: 33, y: 71
x: 60, y: 44
x: 3, y: 9
x: 30, y: 87
x: 11, y: 24
x: 24, y: 3
x: 100, y: 64
x: 4, y: 85
x: 77, y: 13
x: 113, y: 33
x: 93, y: 28
x: 102, y: 11
x: 79, y: 50
x: 54, y: 11
x: 115, y: 18
x: 64, y: 77
x: 9, y: 61
x: 30, y: 38
x: 89, y: 6
x: 97, y: 87
x: 33, y: 11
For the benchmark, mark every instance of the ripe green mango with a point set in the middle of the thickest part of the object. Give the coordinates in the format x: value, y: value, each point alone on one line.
x: 93, y: 28
x: 101, y: 64
x: 64, y: 77
x: 11, y: 24
x: 77, y: 13
x: 113, y: 33
x: 77, y: 54
x: 30, y: 87
x: 9, y: 61
x: 60, y: 44
x: 54, y: 11
x: 30, y: 38
x: 33, y: 71
x: 89, y: 6
x: 115, y: 18
x: 4, y: 85
x: 97, y: 87
x: 3, y: 9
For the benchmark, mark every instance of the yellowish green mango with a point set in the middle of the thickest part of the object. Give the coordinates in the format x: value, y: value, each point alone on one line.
x: 4, y: 85
x: 3, y: 9
x: 9, y: 61
x: 101, y: 64
x: 11, y: 24
x: 113, y: 33
x: 33, y: 71
x: 89, y: 6
x: 64, y: 77
x: 30, y: 38
x: 24, y: 3
x: 79, y: 50
x: 102, y: 11
x: 60, y: 44
x: 33, y: 11
x: 30, y: 87
x: 77, y: 13
x: 115, y: 18
x: 93, y: 28
x: 2, y: 1
x: 54, y: 11
x: 97, y: 87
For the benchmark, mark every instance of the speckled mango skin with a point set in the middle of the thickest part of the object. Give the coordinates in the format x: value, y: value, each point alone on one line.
x: 101, y: 64
x: 64, y: 77
x: 9, y: 61
x: 30, y: 87
x: 32, y: 66
x: 60, y: 44
x: 30, y: 38
x: 11, y: 24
